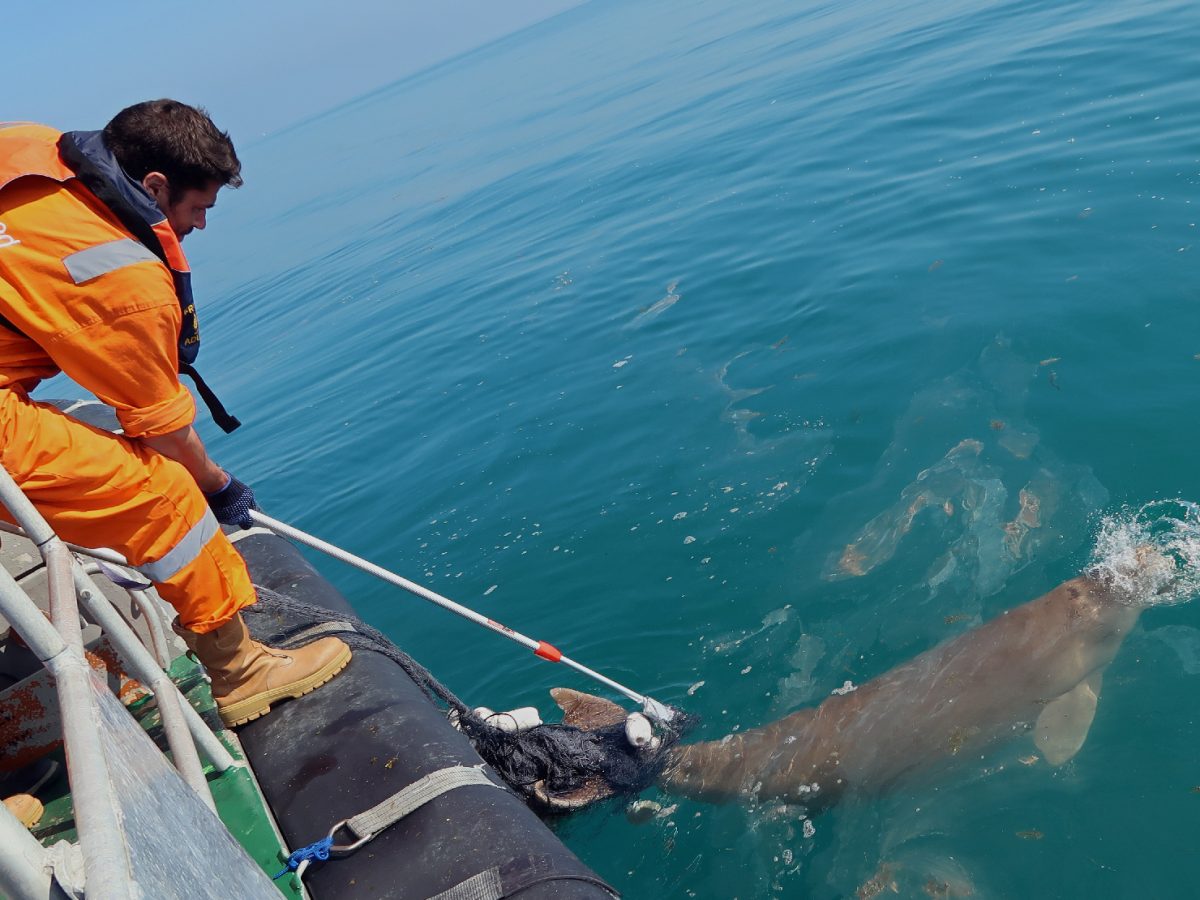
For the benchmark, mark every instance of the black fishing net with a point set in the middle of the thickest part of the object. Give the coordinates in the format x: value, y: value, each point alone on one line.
x: 558, y: 767
x: 561, y: 761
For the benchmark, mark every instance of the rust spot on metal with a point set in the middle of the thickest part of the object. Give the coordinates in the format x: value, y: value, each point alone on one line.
x: 28, y: 731
x: 103, y: 659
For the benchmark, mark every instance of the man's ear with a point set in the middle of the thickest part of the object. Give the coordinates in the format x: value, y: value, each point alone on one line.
x: 156, y: 183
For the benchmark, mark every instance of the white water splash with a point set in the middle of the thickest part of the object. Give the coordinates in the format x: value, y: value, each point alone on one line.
x: 1150, y: 555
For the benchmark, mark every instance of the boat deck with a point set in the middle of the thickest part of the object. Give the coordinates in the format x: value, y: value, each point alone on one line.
x: 29, y: 728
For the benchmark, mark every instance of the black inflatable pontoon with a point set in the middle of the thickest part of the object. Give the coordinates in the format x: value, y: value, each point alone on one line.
x: 358, y: 740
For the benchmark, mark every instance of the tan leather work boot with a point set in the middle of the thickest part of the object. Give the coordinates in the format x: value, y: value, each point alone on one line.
x: 247, y: 677
x: 27, y: 808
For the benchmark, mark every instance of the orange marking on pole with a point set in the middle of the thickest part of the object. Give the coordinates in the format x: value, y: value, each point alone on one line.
x: 548, y: 651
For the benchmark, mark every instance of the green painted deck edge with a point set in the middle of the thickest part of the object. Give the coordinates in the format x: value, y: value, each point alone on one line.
x: 240, y: 804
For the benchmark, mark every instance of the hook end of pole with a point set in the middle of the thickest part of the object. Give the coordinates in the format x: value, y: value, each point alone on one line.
x: 658, y: 712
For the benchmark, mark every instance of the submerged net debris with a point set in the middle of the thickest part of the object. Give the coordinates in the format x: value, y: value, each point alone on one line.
x: 575, y: 765
x: 554, y: 766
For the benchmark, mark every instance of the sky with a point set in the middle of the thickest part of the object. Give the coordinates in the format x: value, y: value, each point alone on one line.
x: 256, y: 67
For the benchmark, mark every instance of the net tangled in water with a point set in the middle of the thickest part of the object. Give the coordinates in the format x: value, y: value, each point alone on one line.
x: 560, y: 767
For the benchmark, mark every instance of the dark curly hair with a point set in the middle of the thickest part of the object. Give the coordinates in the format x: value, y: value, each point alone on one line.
x: 178, y: 140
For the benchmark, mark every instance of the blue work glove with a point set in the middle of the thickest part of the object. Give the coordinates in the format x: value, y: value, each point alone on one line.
x: 232, y: 503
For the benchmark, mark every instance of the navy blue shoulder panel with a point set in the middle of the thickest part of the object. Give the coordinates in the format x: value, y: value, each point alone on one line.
x: 80, y: 147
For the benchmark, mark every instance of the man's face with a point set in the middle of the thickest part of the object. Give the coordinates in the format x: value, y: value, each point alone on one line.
x: 192, y: 209
x: 189, y: 211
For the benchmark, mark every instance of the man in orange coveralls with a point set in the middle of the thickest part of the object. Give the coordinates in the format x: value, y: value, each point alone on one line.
x: 94, y: 283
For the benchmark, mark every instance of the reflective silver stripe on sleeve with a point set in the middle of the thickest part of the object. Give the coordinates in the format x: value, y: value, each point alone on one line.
x: 182, y: 553
x: 104, y: 258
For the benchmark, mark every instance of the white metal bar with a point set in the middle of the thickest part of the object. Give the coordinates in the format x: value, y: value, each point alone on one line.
x: 25, y: 868
x: 64, y: 612
x: 166, y: 695
x: 144, y: 667
x: 183, y: 748
x: 95, y: 808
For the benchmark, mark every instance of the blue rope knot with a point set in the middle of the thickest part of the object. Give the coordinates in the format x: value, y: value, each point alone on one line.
x: 318, y: 851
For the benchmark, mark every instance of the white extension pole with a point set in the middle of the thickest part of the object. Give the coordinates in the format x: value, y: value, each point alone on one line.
x: 653, y: 708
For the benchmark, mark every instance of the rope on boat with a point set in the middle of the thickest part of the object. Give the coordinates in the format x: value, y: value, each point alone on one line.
x: 317, y: 851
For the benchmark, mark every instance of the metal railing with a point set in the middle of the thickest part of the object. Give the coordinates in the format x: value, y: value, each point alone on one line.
x: 143, y: 830
x: 142, y: 665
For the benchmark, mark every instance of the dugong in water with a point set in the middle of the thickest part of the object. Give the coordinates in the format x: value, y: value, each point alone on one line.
x: 1038, y: 665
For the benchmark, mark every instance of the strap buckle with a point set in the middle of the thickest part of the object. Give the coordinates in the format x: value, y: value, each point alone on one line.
x: 345, y: 849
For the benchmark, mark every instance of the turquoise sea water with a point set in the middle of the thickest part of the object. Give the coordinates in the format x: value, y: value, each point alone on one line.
x: 622, y: 329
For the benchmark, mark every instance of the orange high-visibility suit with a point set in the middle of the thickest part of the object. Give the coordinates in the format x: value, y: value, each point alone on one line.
x: 79, y: 294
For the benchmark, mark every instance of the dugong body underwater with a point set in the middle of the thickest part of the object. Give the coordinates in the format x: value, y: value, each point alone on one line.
x: 1038, y: 665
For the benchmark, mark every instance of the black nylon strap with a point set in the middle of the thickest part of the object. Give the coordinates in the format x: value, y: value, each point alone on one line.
x: 225, y: 421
